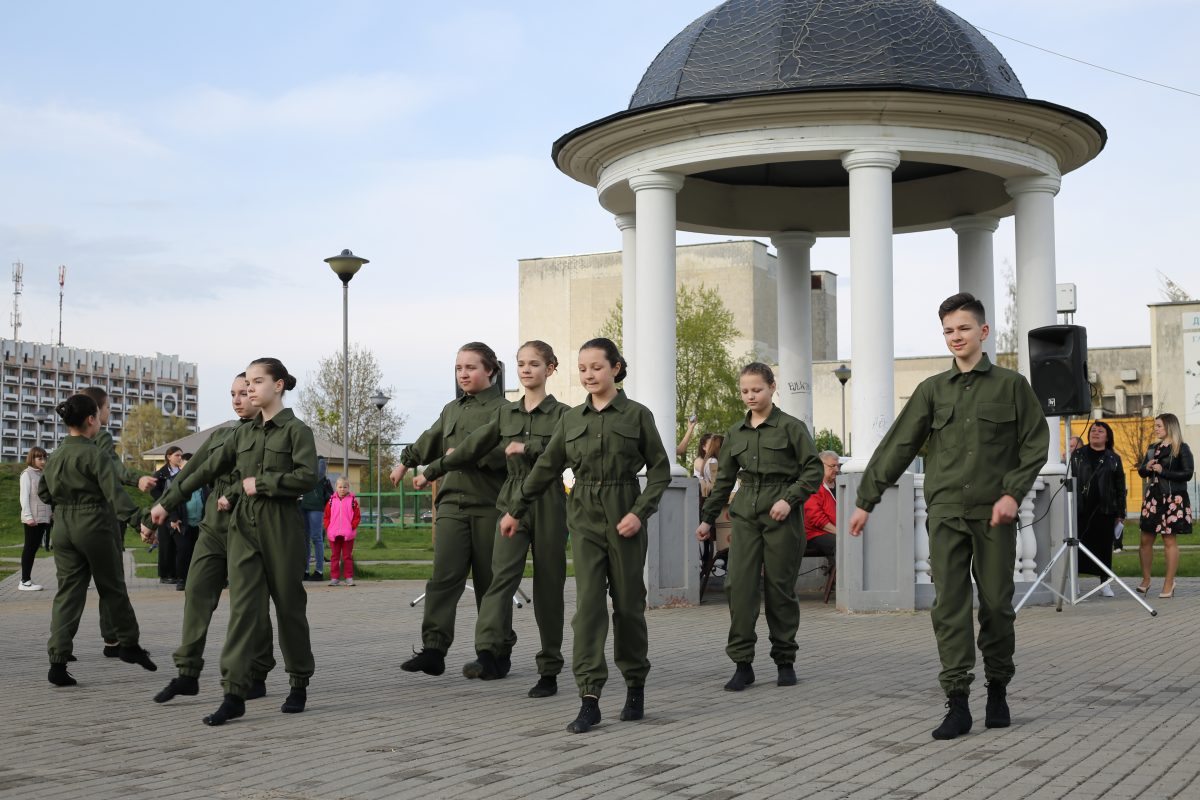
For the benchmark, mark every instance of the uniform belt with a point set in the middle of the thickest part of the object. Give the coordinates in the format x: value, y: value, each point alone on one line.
x: 80, y: 505
x: 755, y: 481
x: 606, y: 483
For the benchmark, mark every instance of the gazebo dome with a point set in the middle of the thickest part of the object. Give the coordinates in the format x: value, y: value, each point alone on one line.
x: 745, y: 47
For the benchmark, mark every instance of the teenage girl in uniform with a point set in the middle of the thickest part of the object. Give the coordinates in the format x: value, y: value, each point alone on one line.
x: 605, y: 442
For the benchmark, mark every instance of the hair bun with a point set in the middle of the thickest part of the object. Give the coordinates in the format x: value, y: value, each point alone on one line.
x: 289, y: 382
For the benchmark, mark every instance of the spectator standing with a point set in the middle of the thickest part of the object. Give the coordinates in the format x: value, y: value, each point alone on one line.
x: 341, y: 519
x: 1101, y: 499
x: 168, y: 548
x: 312, y: 505
x: 35, y: 516
x: 1166, y: 507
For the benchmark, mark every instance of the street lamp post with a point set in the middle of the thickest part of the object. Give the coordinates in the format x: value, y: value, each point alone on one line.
x: 380, y: 400
x: 842, y: 373
x: 345, y: 265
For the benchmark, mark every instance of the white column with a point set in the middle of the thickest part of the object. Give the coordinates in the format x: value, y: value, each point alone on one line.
x: 655, y: 322
x: 872, y: 335
x: 1033, y: 202
x: 976, y: 268
x: 627, y: 225
x: 794, y: 282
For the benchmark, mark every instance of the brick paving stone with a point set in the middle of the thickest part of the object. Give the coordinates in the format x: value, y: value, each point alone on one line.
x: 1105, y: 703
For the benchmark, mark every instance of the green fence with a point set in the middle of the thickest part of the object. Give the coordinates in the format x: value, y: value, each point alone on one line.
x: 396, y: 509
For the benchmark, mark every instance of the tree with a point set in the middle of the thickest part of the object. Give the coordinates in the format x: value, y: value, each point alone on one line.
x: 828, y: 440
x: 145, y: 428
x: 1006, y: 336
x: 706, y: 376
x: 1172, y: 292
x: 320, y: 403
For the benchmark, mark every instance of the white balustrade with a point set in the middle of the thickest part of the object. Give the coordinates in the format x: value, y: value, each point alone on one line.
x: 921, y: 531
x: 1025, y: 568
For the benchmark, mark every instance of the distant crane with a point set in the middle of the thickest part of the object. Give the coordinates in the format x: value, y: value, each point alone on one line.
x: 62, y: 280
x: 18, y: 273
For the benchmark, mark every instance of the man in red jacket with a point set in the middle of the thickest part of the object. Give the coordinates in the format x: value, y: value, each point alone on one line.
x: 820, y: 510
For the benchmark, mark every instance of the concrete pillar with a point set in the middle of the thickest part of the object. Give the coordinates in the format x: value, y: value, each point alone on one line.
x: 976, y: 268
x: 655, y: 320
x: 871, y: 327
x: 627, y: 225
x: 1033, y: 202
x: 795, y: 323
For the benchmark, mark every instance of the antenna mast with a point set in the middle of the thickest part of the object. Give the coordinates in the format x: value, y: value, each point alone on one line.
x: 18, y: 275
x: 62, y: 280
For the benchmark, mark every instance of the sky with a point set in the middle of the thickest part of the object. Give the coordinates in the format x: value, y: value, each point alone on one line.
x: 192, y: 164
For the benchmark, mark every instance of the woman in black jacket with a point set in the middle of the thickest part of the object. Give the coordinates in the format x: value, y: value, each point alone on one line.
x: 1166, y: 509
x: 1101, y: 505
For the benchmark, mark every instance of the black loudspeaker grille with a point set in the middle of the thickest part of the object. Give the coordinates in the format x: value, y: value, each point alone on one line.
x: 1058, y: 369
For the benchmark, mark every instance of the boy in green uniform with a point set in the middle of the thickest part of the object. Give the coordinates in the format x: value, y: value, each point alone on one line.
x: 774, y: 457
x: 522, y: 429
x: 79, y: 482
x: 207, y: 574
x: 466, y: 506
x: 988, y: 439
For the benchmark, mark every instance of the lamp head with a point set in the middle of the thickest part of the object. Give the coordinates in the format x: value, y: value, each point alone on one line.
x: 842, y: 373
x: 345, y: 265
x: 380, y: 399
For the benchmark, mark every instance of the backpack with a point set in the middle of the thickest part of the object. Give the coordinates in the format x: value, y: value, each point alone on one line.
x: 195, y: 508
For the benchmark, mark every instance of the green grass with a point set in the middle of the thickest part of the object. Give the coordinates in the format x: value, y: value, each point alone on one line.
x: 6, y: 570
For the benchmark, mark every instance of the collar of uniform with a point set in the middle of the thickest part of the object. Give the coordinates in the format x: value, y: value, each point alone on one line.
x: 486, y: 394
x: 983, y: 366
x: 546, y: 406
x: 772, y: 418
x: 285, y: 415
x: 617, y: 404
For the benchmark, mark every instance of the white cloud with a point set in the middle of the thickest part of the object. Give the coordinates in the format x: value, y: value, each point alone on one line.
x: 61, y: 129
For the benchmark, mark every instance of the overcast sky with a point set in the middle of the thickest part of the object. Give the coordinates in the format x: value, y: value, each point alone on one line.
x: 193, y: 163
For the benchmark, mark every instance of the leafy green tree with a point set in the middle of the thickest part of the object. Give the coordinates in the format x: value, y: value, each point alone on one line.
x: 706, y: 375
x: 828, y: 440
x: 146, y: 427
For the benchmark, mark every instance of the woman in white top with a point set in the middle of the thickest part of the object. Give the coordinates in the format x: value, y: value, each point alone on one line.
x: 35, y: 516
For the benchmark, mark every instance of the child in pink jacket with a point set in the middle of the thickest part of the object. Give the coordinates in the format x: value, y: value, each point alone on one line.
x: 342, y: 516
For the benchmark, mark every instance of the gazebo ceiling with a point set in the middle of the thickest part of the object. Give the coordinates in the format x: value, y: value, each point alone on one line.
x: 813, y: 174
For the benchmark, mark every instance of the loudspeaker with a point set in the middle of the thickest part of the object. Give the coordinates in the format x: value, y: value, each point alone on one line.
x: 1058, y: 369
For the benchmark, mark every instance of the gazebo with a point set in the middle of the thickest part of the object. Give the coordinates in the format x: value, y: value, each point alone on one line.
x: 801, y: 119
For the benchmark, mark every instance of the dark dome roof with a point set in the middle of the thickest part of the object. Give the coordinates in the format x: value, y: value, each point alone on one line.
x: 753, y: 46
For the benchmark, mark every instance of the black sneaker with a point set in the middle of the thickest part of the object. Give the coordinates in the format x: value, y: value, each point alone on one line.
x: 184, y: 684
x: 787, y: 675
x: 59, y: 676
x: 996, y: 714
x: 179, y: 586
x: 503, y: 666
x: 547, y: 686
x: 258, y: 688
x: 295, y: 701
x: 136, y: 655
x: 743, y: 676
x: 635, y: 704
x: 112, y: 650
x: 231, y: 707
x: 428, y: 660
x: 958, y: 718
x: 589, y: 716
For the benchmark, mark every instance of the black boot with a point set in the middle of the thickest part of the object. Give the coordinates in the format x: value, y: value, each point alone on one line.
x: 958, y: 718
x: 428, y: 660
x: 484, y: 667
x: 742, y: 677
x: 231, y: 707
x: 184, y: 684
x: 134, y: 654
x: 547, y: 686
x: 589, y: 716
x: 295, y: 701
x: 635, y: 704
x: 59, y: 676
x: 503, y: 666
x: 258, y: 688
x: 111, y: 650
x: 996, y: 714
x: 787, y: 675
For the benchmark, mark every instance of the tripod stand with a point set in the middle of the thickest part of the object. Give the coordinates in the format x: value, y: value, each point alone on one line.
x: 1068, y: 589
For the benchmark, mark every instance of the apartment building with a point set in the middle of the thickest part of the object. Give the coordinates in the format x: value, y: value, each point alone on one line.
x: 36, y: 377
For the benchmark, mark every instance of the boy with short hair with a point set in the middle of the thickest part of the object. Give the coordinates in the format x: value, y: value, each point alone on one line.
x: 988, y: 440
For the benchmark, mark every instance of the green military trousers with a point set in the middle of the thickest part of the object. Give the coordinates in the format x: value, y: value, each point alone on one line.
x: 492, y: 631
x: 463, y: 544
x: 108, y: 629
x: 206, y: 581
x: 82, y: 554
x: 266, y: 542
x: 959, y: 549
x: 608, y: 564
x: 763, y: 547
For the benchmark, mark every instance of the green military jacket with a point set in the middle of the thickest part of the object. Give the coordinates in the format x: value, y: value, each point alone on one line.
x: 125, y: 475
x: 81, y: 480
x: 780, y: 451
x: 227, y: 485
x: 512, y: 423
x: 280, y: 454
x: 987, y: 438
x: 605, y: 449
x: 474, y: 485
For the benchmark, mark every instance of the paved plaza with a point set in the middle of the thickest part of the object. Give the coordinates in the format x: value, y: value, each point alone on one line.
x: 1106, y: 704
